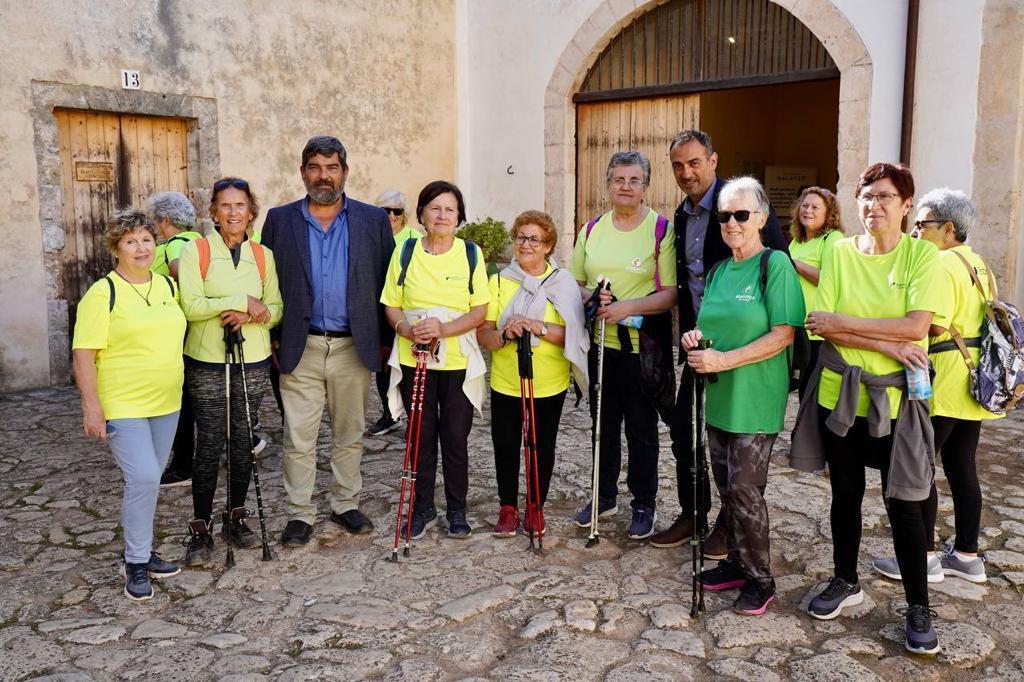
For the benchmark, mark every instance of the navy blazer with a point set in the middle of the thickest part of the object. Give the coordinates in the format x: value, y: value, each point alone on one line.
x: 370, y: 244
x: 714, y: 251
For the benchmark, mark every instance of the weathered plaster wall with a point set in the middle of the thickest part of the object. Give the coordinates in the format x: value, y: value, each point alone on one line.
x: 380, y: 74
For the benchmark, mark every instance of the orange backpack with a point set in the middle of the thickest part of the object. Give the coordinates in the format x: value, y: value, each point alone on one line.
x: 203, y: 245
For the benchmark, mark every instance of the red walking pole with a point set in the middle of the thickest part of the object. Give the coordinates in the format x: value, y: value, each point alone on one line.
x: 533, y: 513
x: 412, y: 450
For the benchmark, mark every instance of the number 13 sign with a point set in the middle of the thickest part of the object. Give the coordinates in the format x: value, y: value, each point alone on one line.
x: 130, y: 80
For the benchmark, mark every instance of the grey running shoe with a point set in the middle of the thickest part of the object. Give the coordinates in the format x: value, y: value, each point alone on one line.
x: 972, y: 569
x: 834, y: 598
x: 891, y: 569
x: 921, y: 637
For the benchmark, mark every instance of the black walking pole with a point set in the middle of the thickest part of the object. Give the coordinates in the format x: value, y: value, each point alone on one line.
x: 700, y: 475
x: 229, y: 560
x: 240, y: 344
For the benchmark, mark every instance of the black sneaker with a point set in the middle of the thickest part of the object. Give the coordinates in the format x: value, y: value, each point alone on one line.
x: 235, y: 532
x: 755, y: 596
x: 296, y: 533
x: 921, y: 637
x: 642, y: 524
x: 199, y: 543
x: 383, y: 425
x: 725, y: 576
x: 834, y: 598
x: 354, y: 521
x: 458, y: 527
x: 422, y: 521
x: 137, y: 586
x: 173, y: 479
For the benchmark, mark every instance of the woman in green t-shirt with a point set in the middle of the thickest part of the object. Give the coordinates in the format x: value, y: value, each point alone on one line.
x: 750, y: 322
x: 815, y: 228
x: 876, y: 300
x: 531, y: 296
x: 129, y: 370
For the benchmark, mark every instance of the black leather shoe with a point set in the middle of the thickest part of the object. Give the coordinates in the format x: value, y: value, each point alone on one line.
x: 296, y: 534
x: 354, y: 521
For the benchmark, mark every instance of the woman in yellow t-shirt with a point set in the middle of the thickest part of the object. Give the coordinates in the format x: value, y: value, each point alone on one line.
x: 438, y: 299
x: 128, y: 366
x: 527, y: 297
x: 876, y: 300
x: 816, y: 227
x: 945, y: 217
x: 227, y: 291
x: 622, y: 246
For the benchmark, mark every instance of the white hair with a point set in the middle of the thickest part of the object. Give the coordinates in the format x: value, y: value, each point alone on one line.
x: 748, y: 185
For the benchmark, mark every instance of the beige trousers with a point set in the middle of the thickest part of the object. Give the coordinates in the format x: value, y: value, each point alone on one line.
x: 329, y: 369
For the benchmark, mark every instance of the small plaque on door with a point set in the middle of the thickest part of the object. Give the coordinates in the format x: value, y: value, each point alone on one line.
x: 94, y: 171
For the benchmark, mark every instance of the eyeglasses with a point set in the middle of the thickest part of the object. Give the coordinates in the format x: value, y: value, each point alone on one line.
x: 237, y: 183
x: 393, y: 211
x: 740, y: 216
x: 882, y: 198
x: 531, y: 240
x: 920, y: 224
x: 634, y: 183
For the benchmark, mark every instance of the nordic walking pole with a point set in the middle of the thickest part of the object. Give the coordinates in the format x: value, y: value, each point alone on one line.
x: 411, y: 435
x: 700, y: 473
x: 422, y: 354
x: 229, y: 560
x: 525, y: 352
x: 594, y: 535
x: 240, y: 344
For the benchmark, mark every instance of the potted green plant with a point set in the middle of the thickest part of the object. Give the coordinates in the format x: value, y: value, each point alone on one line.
x: 492, y: 238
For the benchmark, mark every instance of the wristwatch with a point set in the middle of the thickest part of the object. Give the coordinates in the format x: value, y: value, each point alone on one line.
x: 543, y: 329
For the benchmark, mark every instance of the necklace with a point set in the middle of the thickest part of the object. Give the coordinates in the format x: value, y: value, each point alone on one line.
x: 148, y: 291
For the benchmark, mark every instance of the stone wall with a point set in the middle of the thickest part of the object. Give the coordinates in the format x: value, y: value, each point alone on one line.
x: 379, y: 74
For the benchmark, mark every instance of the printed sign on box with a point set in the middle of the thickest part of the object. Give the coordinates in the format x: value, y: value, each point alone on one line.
x: 783, y: 184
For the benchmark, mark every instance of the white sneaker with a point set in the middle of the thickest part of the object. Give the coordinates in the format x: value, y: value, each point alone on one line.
x: 891, y: 569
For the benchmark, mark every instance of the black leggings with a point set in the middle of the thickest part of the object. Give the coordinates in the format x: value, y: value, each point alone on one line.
x: 383, y: 379
x: 507, y: 434
x: 848, y: 457
x: 956, y: 440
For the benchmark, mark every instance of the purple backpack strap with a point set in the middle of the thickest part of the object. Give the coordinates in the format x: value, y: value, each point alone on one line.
x: 660, y: 228
x: 590, y: 226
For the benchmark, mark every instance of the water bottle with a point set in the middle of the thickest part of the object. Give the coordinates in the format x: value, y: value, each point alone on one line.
x: 633, y: 321
x: 919, y: 383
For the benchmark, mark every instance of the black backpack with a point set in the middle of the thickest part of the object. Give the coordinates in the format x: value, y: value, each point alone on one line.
x: 110, y: 283
x: 410, y: 245
x: 799, y: 353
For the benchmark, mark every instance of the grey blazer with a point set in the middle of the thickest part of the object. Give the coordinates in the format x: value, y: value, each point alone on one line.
x: 370, y: 244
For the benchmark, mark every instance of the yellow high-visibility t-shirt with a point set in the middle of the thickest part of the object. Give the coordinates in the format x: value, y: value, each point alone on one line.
x: 626, y: 259
x: 550, y: 367
x: 814, y: 252
x: 139, y: 367
x: 432, y: 281
x: 885, y: 286
x: 952, y: 389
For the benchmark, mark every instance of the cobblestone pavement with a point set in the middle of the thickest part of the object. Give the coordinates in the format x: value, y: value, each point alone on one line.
x: 480, y: 608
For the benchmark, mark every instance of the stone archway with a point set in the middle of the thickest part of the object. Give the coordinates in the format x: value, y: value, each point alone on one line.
x: 827, y: 23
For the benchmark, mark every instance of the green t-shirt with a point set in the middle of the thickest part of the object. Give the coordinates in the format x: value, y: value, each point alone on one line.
x: 550, y: 367
x: 885, y: 286
x: 952, y: 390
x: 735, y: 312
x: 627, y: 260
x: 814, y: 252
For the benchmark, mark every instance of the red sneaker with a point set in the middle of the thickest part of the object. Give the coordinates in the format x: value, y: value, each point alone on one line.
x: 528, y: 523
x: 508, y: 522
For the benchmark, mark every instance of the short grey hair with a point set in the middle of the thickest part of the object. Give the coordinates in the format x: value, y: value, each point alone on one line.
x: 745, y: 184
x: 689, y: 136
x: 630, y: 158
x: 954, y: 206
x: 174, y: 206
x: 392, y: 197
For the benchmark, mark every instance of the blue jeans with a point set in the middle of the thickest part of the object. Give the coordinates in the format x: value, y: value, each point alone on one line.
x: 141, y: 448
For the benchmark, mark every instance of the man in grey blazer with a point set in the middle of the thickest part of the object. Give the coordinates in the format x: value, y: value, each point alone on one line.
x: 332, y: 253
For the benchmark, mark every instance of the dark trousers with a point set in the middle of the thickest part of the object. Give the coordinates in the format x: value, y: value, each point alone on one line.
x: 847, y: 458
x: 740, y: 464
x: 621, y: 400
x: 275, y: 385
x: 805, y: 373
x: 184, y: 445
x: 448, y: 414
x: 681, y: 431
x: 382, y: 378
x: 956, y: 440
x: 507, y: 434
x: 206, y: 389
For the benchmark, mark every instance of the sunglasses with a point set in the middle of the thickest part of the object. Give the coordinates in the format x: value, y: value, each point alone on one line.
x: 393, y: 211
x: 740, y: 216
x: 237, y: 183
x: 921, y: 224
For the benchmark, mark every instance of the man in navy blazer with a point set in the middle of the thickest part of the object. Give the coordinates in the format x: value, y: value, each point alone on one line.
x: 332, y: 253
x: 699, y: 245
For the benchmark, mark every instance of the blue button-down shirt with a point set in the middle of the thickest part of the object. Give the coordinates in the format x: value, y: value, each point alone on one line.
x: 328, y: 264
x: 696, y: 230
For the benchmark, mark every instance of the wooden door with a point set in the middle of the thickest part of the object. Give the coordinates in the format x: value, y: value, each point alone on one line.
x: 109, y: 161
x: 646, y: 125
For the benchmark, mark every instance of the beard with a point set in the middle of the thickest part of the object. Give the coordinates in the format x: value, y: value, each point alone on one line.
x: 325, y: 193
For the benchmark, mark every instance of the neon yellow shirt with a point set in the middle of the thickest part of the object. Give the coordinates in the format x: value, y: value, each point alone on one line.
x: 952, y: 389
x: 885, y: 286
x: 550, y: 368
x: 813, y: 252
x: 432, y: 281
x: 627, y: 260
x: 139, y: 368
x: 407, y: 232
x: 170, y: 250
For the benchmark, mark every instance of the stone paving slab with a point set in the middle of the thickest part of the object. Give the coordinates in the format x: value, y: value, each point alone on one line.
x: 479, y: 609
